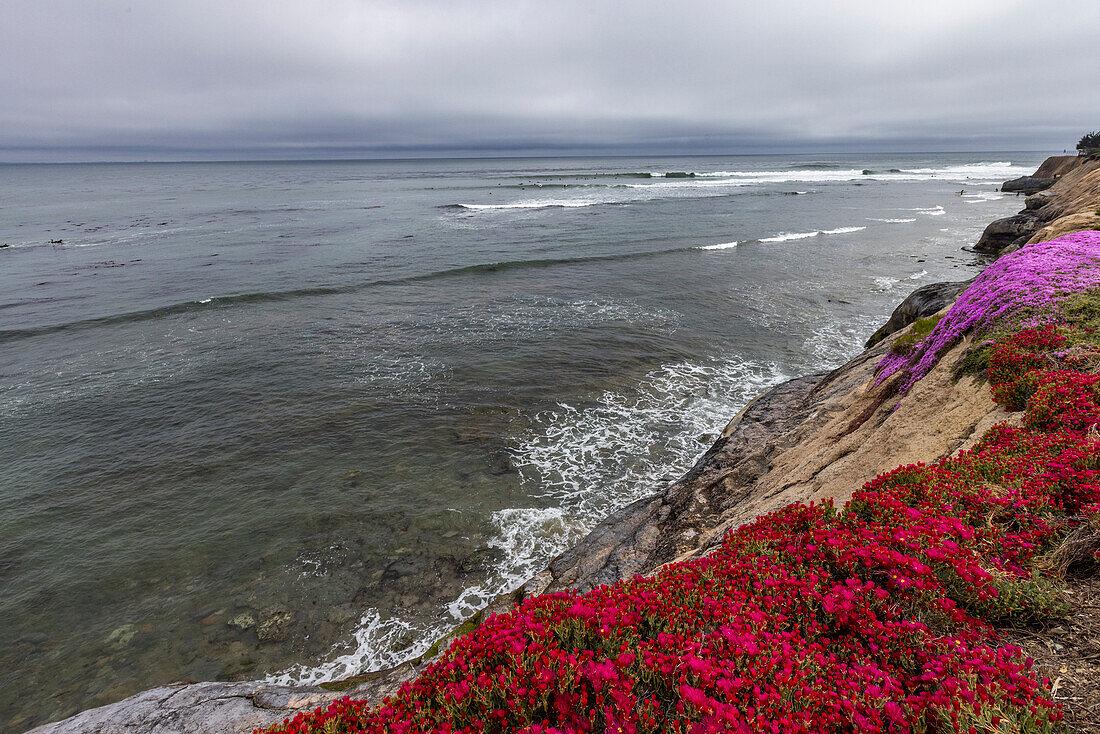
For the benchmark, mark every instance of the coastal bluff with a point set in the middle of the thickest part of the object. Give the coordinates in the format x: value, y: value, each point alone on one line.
x: 813, y: 438
x: 1066, y: 204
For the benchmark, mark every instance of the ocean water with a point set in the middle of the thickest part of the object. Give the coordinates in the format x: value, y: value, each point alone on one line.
x: 295, y: 420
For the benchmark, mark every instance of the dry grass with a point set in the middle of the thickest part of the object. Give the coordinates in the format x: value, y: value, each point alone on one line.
x: 1078, y: 550
x: 1068, y: 654
x: 1068, y: 650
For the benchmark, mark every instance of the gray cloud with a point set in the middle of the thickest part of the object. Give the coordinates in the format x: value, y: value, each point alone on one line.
x: 274, y: 78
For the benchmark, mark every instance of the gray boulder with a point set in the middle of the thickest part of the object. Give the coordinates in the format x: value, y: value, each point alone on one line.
x: 1027, y: 184
x: 924, y: 301
x: 1004, y: 232
x: 1039, y: 200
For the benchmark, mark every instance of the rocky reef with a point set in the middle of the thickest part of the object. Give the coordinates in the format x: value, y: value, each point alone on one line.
x: 813, y: 439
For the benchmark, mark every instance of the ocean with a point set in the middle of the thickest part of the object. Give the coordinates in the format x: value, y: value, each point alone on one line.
x: 295, y: 420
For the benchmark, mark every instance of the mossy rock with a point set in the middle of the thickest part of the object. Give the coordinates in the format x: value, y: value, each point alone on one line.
x: 917, y: 331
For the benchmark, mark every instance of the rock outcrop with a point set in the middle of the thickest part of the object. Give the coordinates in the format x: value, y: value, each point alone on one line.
x: 811, y: 439
x: 1009, y: 231
x: 216, y: 708
x: 1047, y: 175
x: 1027, y: 184
x: 1073, y: 189
x: 924, y: 301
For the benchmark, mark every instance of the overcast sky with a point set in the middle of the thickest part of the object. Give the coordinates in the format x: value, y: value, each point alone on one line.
x: 87, y: 79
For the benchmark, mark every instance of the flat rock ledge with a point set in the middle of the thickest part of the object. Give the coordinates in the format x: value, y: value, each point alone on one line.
x: 196, y: 707
x: 217, y: 708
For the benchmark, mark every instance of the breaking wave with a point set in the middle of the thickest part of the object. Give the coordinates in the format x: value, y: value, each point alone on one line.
x: 787, y: 236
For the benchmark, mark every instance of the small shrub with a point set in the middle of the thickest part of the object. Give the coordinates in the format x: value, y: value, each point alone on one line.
x: 1089, y: 142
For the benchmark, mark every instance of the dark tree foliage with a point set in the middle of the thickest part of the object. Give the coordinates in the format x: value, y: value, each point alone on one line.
x: 1089, y: 141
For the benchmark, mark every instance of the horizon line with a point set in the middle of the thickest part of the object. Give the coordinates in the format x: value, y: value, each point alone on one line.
x: 529, y: 156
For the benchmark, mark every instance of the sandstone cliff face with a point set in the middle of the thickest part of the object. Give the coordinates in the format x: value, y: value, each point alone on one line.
x: 1051, y: 171
x: 1076, y: 193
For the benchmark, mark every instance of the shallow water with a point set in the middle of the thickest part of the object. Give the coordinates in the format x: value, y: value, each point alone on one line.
x: 296, y: 419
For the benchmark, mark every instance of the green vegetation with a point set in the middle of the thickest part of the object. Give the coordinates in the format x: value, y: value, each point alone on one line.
x: 1089, y: 143
x: 920, y: 329
x: 1082, y: 310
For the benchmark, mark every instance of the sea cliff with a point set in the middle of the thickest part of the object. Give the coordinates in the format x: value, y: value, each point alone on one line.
x: 820, y: 437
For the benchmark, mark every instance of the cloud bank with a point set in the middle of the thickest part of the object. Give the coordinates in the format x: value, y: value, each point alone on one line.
x: 363, y: 77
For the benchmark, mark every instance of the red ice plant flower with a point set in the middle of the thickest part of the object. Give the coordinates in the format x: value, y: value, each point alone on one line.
x: 876, y: 618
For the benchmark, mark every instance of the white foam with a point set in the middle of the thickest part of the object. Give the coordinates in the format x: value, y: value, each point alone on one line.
x: 787, y: 236
x: 720, y: 246
x: 719, y: 183
x: 580, y: 463
x: 691, y: 183
x: 982, y: 196
x: 590, y: 459
x: 986, y: 171
x: 524, y: 535
x: 984, y: 168
x: 899, y: 220
x: 836, y: 342
x: 536, y: 204
x: 932, y: 211
x: 400, y: 373
x: 918, y: 276
x: 376, y: 644
x: 885, y: 283
x: 758, y: 177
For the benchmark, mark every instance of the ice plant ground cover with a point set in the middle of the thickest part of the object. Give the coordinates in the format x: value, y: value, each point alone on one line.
x: 1024, y: 284
x: 879, y: 617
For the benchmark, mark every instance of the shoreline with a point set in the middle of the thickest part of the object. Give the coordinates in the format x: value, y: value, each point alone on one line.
x: 797, y: 441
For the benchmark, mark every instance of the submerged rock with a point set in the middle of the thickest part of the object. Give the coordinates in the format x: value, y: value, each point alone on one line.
x: 274, y: 627
x: 121, y: 636
x: 243, y: 621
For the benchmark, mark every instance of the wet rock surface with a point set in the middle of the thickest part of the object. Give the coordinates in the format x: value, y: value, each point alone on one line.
x: 217, y: 708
